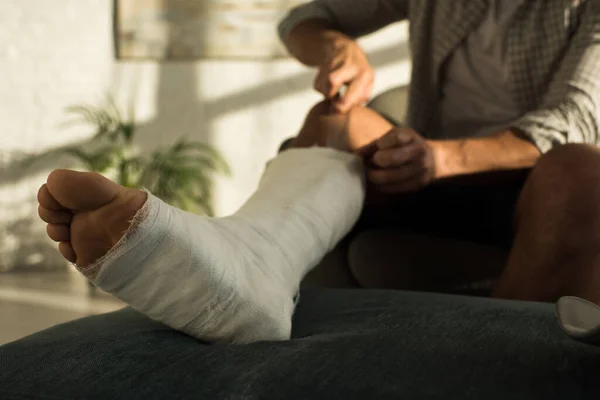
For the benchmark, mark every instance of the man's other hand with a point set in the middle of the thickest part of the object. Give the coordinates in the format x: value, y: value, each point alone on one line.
x: 345, y: 64
x: 401, y: 161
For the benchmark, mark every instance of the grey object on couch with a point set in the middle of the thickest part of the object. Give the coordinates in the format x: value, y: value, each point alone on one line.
x: 346, y: 344
x: 580, y: 319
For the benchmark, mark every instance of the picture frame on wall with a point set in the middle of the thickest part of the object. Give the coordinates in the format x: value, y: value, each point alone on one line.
x: 179, y: 30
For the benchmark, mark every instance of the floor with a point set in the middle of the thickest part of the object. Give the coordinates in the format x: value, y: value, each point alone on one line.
x: 32, y: 301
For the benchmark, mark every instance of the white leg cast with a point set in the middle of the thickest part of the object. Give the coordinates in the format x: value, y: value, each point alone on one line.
x: 233, y: 279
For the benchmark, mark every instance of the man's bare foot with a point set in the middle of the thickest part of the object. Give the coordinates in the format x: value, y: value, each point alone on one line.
x: 86, y: 213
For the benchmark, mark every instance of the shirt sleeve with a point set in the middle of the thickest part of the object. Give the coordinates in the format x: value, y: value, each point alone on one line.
x: 354, y: 18
x: 570, y: 111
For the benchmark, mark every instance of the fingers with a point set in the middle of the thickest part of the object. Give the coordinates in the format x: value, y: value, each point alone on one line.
x: 340, y: 77
x: 392, y: 176
x: 331, y: 79
x: 396, y: 137
x: 409, y: 178
x: 413, y: 184
x: 397, y: 156
x: 359, y: 92
x: 396, y: 147
x: 329, y: 82
x: 401, y: 161
x: 367, y: 151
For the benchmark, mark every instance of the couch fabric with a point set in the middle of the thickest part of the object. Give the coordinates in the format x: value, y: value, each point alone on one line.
x: 347, y: 344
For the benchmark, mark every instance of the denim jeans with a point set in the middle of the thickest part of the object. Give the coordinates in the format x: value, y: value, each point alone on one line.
x: 346, y: 344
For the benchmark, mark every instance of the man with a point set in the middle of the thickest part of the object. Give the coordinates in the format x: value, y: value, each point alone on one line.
x: 234, y: 279
x: 498, y: 87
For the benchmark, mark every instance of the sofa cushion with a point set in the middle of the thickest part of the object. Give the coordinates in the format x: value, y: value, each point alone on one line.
x: 347, y: 344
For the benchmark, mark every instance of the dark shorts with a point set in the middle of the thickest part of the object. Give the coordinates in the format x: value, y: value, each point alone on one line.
x: 477, y: 213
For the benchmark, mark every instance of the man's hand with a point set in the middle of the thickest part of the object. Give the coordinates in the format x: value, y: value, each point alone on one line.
x: 400, y: 161
x: 345, y: 64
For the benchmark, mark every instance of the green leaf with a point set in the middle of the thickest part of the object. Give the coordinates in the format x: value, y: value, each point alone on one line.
x: 111, y: 109
x: 205, y: 153
x: 180, y: 174
x: 103, y: 158
x: 127, y: 131
x: 107, y: 119
x: 86, y: 112
x: 131, y: 112
x: 205, y: 206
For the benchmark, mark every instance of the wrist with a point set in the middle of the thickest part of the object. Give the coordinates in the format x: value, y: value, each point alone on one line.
x: 331, y: 41
x: 448, y: 157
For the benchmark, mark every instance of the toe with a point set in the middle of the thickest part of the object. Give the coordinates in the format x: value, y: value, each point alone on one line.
x: 67, y: 251
x: 82, y: 191
x: 54, y: 216
x: 58, y: 232
x: 46, y: 200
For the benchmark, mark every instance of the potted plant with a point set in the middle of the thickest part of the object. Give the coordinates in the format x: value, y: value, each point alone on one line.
x: 180, y: 175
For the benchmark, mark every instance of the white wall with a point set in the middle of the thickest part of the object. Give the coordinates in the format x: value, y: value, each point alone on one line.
x: 54, y: 53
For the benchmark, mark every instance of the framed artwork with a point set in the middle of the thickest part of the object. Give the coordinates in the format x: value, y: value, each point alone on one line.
x: 166, y: 30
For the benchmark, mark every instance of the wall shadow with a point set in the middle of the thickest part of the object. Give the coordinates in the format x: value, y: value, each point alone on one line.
x: 177, y: 99
x: 177, y: 89
x: 278, y: 88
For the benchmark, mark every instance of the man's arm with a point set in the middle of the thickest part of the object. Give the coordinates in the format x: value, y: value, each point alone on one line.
x: 570, y: 113
x: 311, y: 41
x: 309, y: 29
x: 503, y: 151
x: 403, y: 161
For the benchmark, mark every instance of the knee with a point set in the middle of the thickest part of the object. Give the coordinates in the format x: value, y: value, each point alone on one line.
x: 322, y: 115
x: 313, y: 129
x: 569, y: 165
x: 566, y: 175
x: 360, y: 118
x: 571, y: 157
x: 329, y: 128
x: 350, y: 131
x: 319, y: 120
x: 363, y: 126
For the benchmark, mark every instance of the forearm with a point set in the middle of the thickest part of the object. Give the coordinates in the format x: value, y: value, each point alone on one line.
x: 309, y: 28
x: 503, y: 151
x: 310, y: 41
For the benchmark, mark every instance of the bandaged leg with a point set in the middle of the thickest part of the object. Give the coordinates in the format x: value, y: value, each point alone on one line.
x: 227, y: 279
